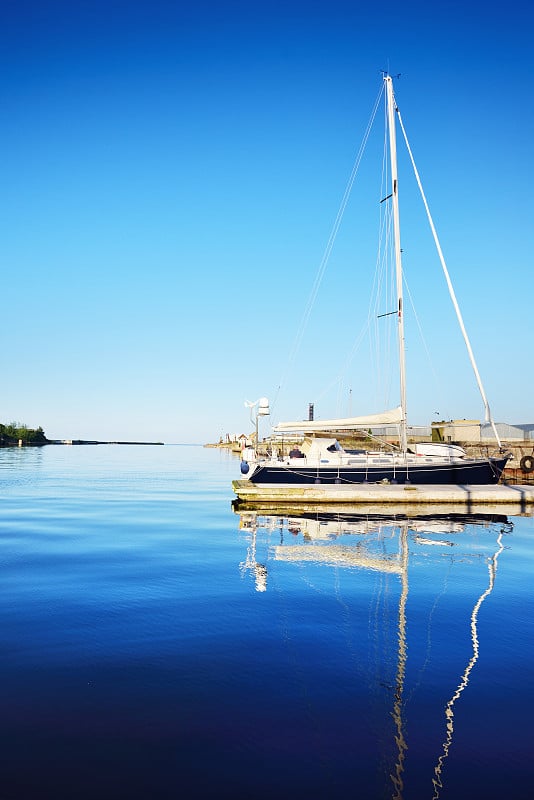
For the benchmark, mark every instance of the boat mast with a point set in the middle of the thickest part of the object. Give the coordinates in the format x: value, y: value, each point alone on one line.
x: 391, y: 109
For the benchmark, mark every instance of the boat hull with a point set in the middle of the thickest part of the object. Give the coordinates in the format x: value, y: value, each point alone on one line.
x: 474, y: 472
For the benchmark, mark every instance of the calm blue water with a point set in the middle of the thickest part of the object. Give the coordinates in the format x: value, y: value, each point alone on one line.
x: 156, y: 644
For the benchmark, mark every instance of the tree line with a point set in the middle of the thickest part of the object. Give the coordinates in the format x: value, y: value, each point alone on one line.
x: 15, y: 432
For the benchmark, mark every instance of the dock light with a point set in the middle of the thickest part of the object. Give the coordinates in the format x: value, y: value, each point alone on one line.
x: 263, y: 407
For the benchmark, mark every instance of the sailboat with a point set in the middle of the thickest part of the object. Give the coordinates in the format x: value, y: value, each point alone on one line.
x: 321, y: 459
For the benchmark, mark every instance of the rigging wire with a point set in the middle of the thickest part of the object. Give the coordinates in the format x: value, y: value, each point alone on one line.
x: 328, y: 249
x: 437, y: 382
x: 385, y: 291
x: 382, y: 284
x: 452, y: 293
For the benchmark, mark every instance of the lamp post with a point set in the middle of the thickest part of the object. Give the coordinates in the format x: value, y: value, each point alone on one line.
x: 259, y: 408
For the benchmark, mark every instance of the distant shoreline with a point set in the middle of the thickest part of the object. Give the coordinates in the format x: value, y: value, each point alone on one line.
x: 93, y: 441
x: 68, y: 442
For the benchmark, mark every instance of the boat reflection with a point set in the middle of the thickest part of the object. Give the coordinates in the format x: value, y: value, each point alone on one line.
x: 393, y: 546
x: 355, y: 540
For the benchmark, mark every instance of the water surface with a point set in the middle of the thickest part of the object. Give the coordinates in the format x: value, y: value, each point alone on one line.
x: 156, y: 643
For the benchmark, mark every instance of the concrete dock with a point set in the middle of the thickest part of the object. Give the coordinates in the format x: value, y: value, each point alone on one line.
x: 382, y: 498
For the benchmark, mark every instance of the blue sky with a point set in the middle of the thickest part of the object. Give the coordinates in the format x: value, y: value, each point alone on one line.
x: 170, y: 176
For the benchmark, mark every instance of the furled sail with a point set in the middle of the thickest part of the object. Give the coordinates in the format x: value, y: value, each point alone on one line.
x: 392, y: 417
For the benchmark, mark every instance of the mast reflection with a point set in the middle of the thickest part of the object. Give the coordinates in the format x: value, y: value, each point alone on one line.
x: 464, y: 680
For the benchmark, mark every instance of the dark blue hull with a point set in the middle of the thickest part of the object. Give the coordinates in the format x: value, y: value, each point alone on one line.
x: 475, y: 472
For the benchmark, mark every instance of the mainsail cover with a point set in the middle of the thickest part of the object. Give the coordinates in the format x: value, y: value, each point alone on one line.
x: 392, y: 417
